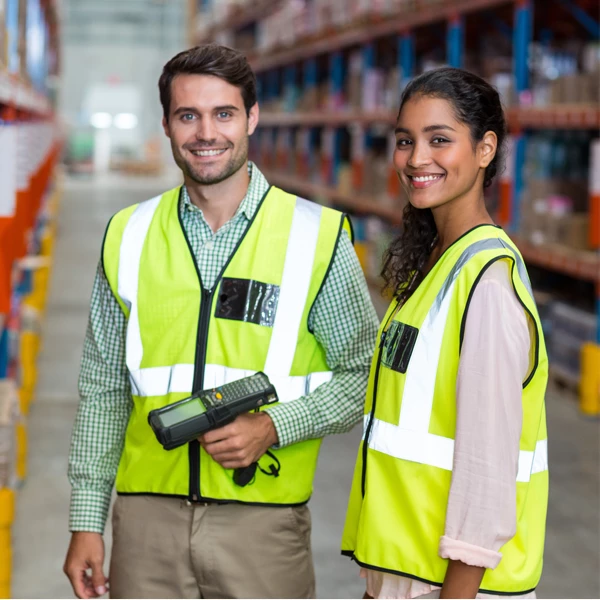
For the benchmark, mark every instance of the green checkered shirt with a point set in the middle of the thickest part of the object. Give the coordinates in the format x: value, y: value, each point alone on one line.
x: 343, y: 321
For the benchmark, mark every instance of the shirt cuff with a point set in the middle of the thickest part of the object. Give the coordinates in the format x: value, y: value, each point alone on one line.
x: 475, y: 556
x: 89, y: 510
x: 293, y: 422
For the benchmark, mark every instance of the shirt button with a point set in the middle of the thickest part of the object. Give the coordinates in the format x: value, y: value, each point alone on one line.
x: 209, y: 245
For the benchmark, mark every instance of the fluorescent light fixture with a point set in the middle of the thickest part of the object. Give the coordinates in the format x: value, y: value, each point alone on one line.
x: 101, y: 120
x: 126, y: 121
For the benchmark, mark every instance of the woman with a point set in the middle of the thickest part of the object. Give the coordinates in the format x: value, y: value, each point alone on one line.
x: 451, y: 483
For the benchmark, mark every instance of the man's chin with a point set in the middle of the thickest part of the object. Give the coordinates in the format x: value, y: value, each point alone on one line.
x: 208, y: 178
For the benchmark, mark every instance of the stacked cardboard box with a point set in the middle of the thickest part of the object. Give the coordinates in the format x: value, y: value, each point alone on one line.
x: 552, y: 213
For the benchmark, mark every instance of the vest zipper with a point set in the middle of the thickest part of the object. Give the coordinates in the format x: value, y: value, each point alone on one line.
x: 202, y: 341
x: 195, y: 494
x: 371, y: 416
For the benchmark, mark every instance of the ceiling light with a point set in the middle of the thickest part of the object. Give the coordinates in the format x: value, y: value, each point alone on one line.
x: 126, y: 121
x: 101, y: 120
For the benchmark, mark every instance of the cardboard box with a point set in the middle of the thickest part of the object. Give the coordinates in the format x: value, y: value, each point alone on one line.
x: 575, y: 231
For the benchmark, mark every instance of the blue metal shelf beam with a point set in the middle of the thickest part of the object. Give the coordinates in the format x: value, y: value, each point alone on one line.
x: 523, y: 35
x: 582, y: 17
x: 336, y: 68
x: 455, y: 42
x: 406, y: 57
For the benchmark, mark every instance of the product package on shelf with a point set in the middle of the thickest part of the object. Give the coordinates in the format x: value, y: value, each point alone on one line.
x: 327, y: 170
x: 345, y: 181
x: 359, y: 142
x: 284, y: 156
x: 353, y: 84
x: 304, y: 156
x: 554, y: 202
x: 566, y: 74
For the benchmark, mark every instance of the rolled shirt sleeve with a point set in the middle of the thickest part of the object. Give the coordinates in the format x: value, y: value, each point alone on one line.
x: 494, y: 362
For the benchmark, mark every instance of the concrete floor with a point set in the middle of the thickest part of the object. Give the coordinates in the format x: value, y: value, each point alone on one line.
x: 40, y: 533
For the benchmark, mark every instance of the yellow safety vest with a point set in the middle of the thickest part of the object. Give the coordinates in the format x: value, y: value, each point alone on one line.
x: 182, y: 338
x: 397, y: 508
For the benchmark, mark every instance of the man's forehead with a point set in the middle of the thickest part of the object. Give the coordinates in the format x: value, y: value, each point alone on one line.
x: 205, y: 89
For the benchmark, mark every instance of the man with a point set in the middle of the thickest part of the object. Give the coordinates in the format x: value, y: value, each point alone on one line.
x: 212, y: 281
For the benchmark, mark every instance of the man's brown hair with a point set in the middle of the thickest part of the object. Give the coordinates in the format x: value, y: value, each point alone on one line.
x: 209, y: 59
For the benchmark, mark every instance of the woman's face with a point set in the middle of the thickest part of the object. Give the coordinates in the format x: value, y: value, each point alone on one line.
x: 434, y: 156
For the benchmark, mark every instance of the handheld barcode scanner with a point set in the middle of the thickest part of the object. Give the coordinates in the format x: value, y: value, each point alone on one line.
x: 181, y: 422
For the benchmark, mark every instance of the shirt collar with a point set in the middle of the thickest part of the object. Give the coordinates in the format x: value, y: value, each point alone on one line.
x: 256, y: 190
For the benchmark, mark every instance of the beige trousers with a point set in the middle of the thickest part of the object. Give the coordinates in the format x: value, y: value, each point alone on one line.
x: 166, y: 548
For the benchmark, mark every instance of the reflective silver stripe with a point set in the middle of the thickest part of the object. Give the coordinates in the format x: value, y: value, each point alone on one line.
x: 438, y: 451
x: 295, y: 285
x: 410, y: 439
x: 534, y: 462
x: 130, y: 254
x: 159, y: 381
x: 521, y: 268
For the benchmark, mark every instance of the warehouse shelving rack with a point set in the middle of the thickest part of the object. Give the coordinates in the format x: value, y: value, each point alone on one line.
x: 27, y: 123
x: 278, y: 66
x: 20, y: 102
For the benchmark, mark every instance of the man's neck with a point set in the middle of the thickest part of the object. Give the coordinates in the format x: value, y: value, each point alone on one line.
x: 220, y: 201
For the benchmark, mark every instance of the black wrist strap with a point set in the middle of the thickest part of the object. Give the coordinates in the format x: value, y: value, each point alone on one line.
x: 245, y: 476
x: 273, y: 469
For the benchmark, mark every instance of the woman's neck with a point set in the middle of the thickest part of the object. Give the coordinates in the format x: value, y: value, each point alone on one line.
x: 454, y: 219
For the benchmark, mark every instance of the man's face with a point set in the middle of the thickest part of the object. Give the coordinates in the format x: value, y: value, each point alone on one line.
x: 208, y: 127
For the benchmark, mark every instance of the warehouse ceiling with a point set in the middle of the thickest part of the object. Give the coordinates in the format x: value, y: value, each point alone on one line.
x: 128, y: 22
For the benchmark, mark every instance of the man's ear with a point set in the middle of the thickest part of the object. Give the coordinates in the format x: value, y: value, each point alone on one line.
x: 165, y: 125
x: 253, y: 118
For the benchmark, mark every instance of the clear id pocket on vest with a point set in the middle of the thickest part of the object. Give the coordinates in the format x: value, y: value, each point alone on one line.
x: 247, y: 300
x: 398, y: 346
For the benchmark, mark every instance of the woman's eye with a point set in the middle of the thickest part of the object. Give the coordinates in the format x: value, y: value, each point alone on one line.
x: 402, y: 142
x: 439, y: 140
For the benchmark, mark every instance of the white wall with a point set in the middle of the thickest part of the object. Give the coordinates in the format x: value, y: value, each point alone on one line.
x: 99, y: 47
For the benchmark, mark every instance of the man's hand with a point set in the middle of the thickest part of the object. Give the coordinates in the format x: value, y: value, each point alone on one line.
x: 86, y: 552
x: 242, y: 442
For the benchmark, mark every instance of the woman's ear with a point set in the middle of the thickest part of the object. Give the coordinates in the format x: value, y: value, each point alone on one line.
x: 487, y: 149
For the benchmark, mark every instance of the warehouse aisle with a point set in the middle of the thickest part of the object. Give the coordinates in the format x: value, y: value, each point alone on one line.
x: 40, y: 531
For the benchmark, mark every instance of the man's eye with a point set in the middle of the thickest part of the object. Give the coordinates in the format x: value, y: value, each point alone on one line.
x: 224, y: 115
x: 187, y: 117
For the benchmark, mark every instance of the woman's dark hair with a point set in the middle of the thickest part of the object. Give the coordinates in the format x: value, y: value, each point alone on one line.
x: 209, y: 59
x: 476, y: 104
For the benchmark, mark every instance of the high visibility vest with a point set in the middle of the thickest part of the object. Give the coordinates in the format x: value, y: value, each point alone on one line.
x: 182, y: 338
x: 397, y: 509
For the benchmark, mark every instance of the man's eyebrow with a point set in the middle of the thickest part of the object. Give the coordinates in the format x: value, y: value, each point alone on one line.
x: 227, y: 107
x: 185, y: 109
x: 190, y: 109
